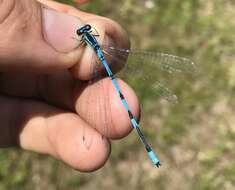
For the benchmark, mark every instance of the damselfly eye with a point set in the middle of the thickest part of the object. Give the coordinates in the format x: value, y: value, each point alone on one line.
x: 83, y: 29
x: 88, y: 27
x: 79, y: 32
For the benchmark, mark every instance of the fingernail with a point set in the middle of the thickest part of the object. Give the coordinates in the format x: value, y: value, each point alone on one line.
x: 59, y: 29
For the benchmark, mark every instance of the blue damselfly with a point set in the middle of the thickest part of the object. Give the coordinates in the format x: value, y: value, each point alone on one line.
x: 155, y: 61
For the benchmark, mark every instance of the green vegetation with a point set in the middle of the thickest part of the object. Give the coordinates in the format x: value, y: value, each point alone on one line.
x: 195, y: 138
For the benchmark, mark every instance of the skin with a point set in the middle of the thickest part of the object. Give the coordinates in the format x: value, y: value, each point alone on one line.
x: 47, y: 104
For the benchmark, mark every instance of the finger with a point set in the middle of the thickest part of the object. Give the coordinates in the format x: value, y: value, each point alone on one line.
x: 98, y: 104
x: 110, y: 33
x: 105, y: 25
x: 45, y: 129
x: 41, y: 39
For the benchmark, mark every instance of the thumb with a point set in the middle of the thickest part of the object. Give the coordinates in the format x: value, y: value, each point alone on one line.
x: 36, y: 38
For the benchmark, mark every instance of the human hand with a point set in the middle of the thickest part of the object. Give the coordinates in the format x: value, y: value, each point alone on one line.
x: 45, y: 95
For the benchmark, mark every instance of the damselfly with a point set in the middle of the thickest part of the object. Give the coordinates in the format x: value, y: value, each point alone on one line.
x: 162, y: 61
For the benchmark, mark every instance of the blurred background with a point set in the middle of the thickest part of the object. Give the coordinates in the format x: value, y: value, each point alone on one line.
x: 195, y: 138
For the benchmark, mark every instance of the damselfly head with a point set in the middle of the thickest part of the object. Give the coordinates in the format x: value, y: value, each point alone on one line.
x: 83, y: 29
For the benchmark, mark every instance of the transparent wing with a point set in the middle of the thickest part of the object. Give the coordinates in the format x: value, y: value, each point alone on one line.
x: 150, y: 74
x: 154, y: 69
x: 162, y: 61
